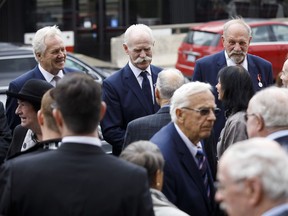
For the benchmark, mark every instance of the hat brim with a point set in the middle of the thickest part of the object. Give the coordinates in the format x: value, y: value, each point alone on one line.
x: 23, y: 97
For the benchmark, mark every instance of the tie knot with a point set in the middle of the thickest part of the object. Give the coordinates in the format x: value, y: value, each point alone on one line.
x: 144, y: 74
x: 199, y: 153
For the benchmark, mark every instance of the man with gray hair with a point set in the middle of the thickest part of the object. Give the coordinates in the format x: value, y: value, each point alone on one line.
x: 253, y: 179
x: 188, y: 182
x: 267, y: 115
x: 50, y: 53
x: 129, y: 93
x: 145, y: 127
x: 236, y: 38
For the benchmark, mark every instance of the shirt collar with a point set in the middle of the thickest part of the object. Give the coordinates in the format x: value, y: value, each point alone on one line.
x: 136, y: 71
x: 277, y: 134
x: 230, y: 62
x: 82, y: 140
x: 48, y: 76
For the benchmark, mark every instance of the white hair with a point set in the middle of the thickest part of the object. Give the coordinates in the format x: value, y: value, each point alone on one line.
x: 181, y: 96
x: 38, y: 42
x: 168, y: 81
x: 262, y: 158
x: 137, y: 28
x: 272, y: 104
x: 237, y: 20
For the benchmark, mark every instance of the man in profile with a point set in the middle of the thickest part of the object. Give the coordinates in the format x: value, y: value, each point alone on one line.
x: 252, y: 179
x: 78, y: 178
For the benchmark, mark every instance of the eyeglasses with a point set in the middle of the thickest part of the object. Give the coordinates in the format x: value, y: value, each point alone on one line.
x: 221, y: 187
x: 204, y: 111
x: 246, y: 115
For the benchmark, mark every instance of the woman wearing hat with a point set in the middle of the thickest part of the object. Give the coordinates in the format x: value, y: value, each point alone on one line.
x: 28, y: 133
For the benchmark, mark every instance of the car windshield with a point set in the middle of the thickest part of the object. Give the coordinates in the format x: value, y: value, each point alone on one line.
x: 201, y: 38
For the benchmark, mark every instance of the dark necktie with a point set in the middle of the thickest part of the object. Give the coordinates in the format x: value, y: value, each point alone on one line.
x: 202, y: 165
x: 56, y: 79
x: 146, y: 88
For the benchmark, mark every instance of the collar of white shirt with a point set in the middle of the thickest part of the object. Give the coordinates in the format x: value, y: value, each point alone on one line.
x: 230, y: 62
x: 48, y: 76
x: 82, y: 140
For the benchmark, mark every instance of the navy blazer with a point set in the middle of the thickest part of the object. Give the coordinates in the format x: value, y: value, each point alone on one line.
x: 5, y: 134
x: 145, y: 127
x: 125, y: 102
x: 15, y: 86
x: 183, y: 183
x: 75, y: 179
x: 207, y: 68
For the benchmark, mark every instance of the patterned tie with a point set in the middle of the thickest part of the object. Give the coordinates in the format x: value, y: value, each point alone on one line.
x: 202, y: 165
x: 146, y: 88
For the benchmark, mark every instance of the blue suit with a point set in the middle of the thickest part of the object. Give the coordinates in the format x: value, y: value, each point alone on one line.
x: 125, y: 102
x: 207, y: 68
x: 15, y: 86
x: 183, y: 183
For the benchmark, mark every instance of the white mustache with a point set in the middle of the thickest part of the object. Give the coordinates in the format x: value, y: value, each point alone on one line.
x: 140, y: 60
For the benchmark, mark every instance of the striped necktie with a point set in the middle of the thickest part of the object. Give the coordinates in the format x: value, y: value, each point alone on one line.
x: 202, y: 165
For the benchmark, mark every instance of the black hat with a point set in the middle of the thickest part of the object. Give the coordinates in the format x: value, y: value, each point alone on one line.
x: 32, y: 91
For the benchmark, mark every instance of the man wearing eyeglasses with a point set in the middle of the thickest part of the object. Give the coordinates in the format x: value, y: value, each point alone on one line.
x: 252, y: 179
x: 267, y: 115
x: 188, y: 182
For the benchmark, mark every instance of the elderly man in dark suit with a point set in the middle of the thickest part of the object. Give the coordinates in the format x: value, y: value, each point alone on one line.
x: 78, y: 178
x: 50, y: 53
x: 236, y: 39
x: 267, y: 115
x: 129, y: 93
x: 145, y: 127
x: 252, y: 179
x: 188, y: 182
x: 5, y: 134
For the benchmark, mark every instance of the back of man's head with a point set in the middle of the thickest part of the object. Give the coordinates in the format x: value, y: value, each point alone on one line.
x: 168, y: 81
x: 271, y: 103
x: 262, y: 159
x: 78, y: 97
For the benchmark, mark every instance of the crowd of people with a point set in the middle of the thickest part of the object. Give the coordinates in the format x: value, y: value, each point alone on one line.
x: 214, y: 146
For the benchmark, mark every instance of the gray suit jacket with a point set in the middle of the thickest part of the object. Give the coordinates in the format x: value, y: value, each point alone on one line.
x: 145, y: 127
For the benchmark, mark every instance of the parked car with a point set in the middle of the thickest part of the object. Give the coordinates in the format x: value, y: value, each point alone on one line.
x: 269, y: 41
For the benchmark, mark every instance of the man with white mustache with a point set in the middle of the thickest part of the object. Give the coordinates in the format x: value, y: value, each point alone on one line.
x: 236, y: 40
x: 123, y: 92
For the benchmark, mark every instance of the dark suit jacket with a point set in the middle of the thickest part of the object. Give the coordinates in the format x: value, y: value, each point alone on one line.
x: 75, y: 179
x: 15, y: 86
x: 125, y: 102
x: 145, y: 127
x: 207, y: 68
x: 17, y: 141
x: 5, y: 134
x: 183, y: 183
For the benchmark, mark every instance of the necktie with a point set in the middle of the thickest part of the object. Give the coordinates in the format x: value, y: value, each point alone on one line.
x: 146, y: 88
x: 56, y: 79
x: 202, y: 165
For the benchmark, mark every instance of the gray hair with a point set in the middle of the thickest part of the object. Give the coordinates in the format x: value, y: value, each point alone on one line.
x: 38, y: 42
x: 262, y: 158
x: 181, y: 96
x: 136, y: 28
x: 168, y: 81
x: 237, y: 20
x: 145, y: 154
x: 272, y: 104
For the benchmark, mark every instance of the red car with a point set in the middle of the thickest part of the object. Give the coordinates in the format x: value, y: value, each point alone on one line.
x: 269, y: 41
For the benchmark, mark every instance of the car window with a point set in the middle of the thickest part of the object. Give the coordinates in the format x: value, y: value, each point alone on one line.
x: 202, y: 38
x: 71, y: 64
x: 280, y: 32
x: 260, y: 34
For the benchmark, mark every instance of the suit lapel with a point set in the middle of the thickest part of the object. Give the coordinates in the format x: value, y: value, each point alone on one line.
x: 189, y: 164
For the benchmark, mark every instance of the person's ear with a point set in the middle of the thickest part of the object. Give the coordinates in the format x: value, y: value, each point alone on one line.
x: 180, y: 115
x: 58, y: 118
x: 159, y: 180
x: 102, y: 110
x: 40, y: 118
x: 125, y: 48
x: 254, y: 191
